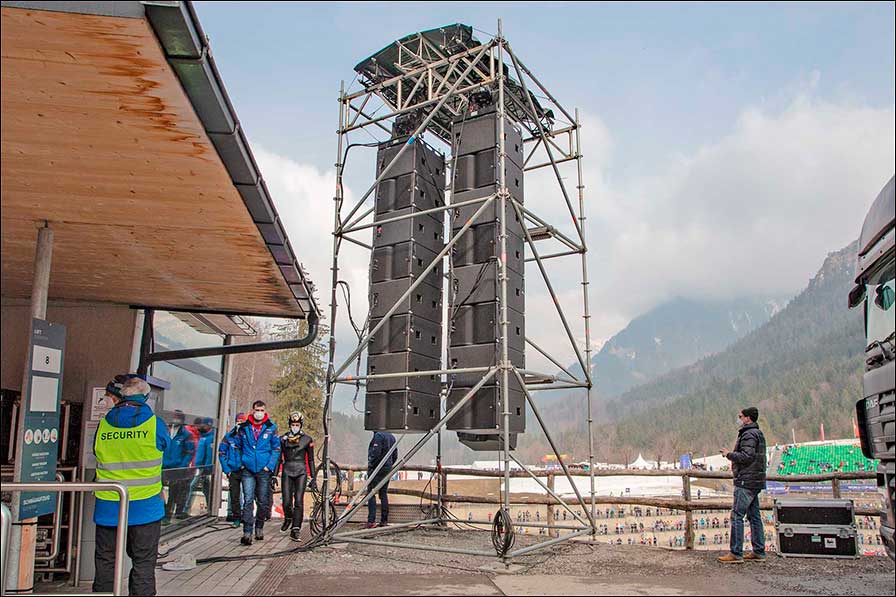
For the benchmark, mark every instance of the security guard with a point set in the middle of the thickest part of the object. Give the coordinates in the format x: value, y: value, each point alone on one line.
x: 129, y: 445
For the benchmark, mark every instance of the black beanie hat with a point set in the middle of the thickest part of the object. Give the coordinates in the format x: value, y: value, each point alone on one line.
x: 752, y: 412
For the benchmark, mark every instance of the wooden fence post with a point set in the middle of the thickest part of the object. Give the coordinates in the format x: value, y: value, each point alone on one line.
x: 835, y: 485
x: 688, y: 514
x: 551, y: 531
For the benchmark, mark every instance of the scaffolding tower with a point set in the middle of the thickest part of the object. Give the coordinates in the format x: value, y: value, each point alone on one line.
x: 434, y: 76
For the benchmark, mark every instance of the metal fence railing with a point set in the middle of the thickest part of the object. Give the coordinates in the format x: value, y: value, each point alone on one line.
x: 118, y: 586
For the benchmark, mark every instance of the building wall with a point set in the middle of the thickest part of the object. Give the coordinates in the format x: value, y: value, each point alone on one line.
x: 99, y: 342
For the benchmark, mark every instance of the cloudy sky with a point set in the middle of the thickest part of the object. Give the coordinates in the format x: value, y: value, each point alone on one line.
x: 728, y: 148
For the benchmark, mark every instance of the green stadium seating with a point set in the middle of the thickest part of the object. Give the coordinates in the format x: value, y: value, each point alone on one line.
x: 813, y: 460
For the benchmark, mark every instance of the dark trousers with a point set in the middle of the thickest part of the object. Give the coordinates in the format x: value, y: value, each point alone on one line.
x: 384, y: 503
x: 179, y: 482
x: 294, y: 498
x: 256, y: 489
x: 143, y: 549
x: 235, y: 495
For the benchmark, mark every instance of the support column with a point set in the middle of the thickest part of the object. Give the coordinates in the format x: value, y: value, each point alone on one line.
x: 20, y: 577
x: 224, y: 425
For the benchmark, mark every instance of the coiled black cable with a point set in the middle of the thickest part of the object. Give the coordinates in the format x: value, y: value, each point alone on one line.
x: 503, y: 536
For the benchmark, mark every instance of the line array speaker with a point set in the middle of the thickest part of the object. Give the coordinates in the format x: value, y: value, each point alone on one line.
x: 411, y: 340
x: 474, y: 297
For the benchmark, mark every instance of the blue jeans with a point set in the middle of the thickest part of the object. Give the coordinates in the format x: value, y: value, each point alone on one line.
x: 256, y: 489
x: 746, y: 503
x: 384, y: 503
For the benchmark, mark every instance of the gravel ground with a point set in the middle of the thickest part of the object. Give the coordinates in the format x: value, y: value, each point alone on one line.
x: 631, y: 565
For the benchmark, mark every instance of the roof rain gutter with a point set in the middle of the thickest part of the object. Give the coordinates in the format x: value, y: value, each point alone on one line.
x: 147, y: 357
x: 187, y: 51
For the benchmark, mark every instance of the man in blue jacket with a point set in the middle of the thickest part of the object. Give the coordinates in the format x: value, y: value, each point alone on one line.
x: 231, y: 462
x: 129, y: 444
x: 380, y: 445
x: 204, y: 435
x: 177, y: 472
x: 259, y: 445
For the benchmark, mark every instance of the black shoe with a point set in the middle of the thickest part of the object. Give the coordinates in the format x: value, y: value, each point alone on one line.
x: 259, y: 535
x: 287, y: 524
x: 246, y: 539
x: 295, y: 533
x: 383, y: 523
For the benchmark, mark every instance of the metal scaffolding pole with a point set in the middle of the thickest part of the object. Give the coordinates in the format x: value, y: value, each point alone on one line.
x: 586, y: 315
x: 502, y: 261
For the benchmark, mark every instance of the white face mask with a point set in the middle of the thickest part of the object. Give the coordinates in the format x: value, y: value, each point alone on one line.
x: 259, y: 415
x: 740, y: 422
x: 295, y: 428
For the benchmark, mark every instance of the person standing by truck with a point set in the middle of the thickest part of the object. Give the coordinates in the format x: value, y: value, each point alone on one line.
x: 748, y: 463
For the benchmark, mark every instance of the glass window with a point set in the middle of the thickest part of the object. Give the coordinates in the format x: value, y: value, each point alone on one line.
x: 190, y: 410
x: 170, y: 333
x: 880, y: 312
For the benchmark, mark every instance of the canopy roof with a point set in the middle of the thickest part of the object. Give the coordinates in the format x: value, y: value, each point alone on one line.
x: 120, y: 136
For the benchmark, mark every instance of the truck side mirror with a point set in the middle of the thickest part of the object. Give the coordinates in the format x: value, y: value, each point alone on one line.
x: 856, y: 296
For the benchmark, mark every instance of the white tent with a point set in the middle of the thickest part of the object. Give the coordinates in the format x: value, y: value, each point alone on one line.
x: 641, y: 464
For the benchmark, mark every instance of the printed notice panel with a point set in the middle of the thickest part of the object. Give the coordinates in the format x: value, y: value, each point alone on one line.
x: 42, y: 395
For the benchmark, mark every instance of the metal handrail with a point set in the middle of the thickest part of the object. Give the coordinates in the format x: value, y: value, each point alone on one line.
x: 6, y: 519
x: 118, y: 585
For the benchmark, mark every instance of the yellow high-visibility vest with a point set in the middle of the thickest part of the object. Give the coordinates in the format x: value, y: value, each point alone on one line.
x: 129, y: 456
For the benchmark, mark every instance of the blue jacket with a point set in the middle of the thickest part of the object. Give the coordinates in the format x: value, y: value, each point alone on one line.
x: 126, y: 415
x: 229, y: 452
x: 206, y: 449
x: 261, y: 452
x: 181, y: 449
x: 380, y: 444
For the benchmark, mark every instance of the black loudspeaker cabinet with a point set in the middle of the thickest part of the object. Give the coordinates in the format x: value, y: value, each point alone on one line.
x: 408, y: 191
x: 398, y: 362
x: 479, y: 355
x: 425, y: 230
x: 405, y: 260
x: 483, y: 413
x: 486, y: 442
x: 478, y: 283
x: 480, y: 170
x: 407, y: 333
x: 481, y: 243
x: 401, y: 411
x: 420, y: 159
x: 479, y: 131
x: 480, y: 324
x: 424, y: 301
x: 460, y: 214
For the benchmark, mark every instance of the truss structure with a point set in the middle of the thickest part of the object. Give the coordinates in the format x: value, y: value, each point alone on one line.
x: 435, y: 75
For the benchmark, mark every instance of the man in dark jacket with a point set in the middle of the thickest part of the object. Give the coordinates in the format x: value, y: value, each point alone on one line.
x: 748, y: 463
x: 380, y: 445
